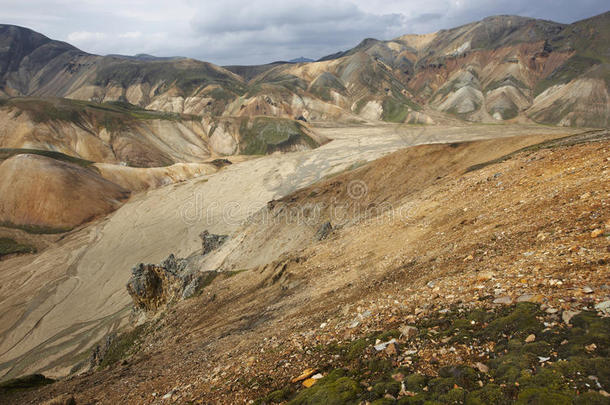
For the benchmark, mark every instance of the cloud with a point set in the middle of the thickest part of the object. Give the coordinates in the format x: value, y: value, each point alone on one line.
x: 261, y: 31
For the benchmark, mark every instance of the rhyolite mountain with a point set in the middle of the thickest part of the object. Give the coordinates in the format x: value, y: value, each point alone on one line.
x: 497, y: 69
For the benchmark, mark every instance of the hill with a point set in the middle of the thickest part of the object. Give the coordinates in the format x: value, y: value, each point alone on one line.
x: 500, y: 68
x: 422, y: 300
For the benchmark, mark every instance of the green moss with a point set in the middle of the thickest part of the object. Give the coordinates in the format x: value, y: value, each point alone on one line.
x: 394, y: 111
x: 542, y: 396
x: 123, y: 345
x: 454, y: 396
x: 276, y: 397
x: 520, y: 322
x: 323, y: 84
x: 489, y: 394
x: 6, y: 153
x: 516, y: 374
x: 334, y: 389
x: 187, y: 77
x: 9, y: 246
x: 113, y: 116
x: 356, y: 348
x: 34, y: 229
x: 572, y: 68
x: 386, y: 387
x: 264, y: 135
x: 464, y: 376
x: 415, y: 382
x: 24, y: 383
x: 591, y: 398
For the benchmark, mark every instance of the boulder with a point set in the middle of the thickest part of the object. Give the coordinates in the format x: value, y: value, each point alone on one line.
x: 210, y: 241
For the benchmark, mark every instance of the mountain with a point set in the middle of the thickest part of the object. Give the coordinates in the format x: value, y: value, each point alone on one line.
x: 500, y: 68
x: 300, y: 59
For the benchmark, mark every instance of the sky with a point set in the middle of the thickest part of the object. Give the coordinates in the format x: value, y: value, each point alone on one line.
x: 228, y: 32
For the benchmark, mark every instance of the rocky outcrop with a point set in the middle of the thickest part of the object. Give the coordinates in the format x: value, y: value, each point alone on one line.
x: 210, y: 241
x: 324, y: 230
x: 152, y: 287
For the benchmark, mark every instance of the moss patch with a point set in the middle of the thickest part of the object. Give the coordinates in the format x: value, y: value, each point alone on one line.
x: 264, y: 135
x: 24, y: 383
x: 9, y: 246
x: 123, y: 346
x: 556, y: 368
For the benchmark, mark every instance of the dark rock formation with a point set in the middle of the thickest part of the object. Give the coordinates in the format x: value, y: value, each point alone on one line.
x: 324, y: 230
x: 210, y: 241
x: 153, y: 286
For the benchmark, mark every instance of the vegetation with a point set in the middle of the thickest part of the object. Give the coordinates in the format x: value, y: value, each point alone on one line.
x: 263, y: 135
x: 9, y: 246
x: 24, y: 383
x: 323, y: 84
x: 394, y: 111
x: 34, y: 229
x: 112, y: 115
x: 188, y: 77
x: 572, y: 68
x: 6, y: 153
x: 514, y: 373
x: 123, y: 346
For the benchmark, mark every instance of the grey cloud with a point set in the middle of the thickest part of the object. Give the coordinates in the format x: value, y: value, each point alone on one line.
x: 261, y: 31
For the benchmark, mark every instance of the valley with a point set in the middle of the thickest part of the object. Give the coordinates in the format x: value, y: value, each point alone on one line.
x: 417, y: 220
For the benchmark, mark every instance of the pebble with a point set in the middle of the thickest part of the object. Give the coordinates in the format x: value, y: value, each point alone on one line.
x: 530, y: 338
x: 587, y: 290
x: 169, y: 394
x: 408, y: 331
x: 381, y: 346
x: 566, y: 316
x: 506, y: 300
x: 481, y: 367
x: 603, y: 307
x: 596, y: 233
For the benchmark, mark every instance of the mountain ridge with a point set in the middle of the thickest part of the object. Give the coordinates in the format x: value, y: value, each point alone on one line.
x: 496, y: 69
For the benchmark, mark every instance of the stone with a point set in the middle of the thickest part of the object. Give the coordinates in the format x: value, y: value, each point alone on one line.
x: 391, y: 349
x: 481, y: 367
x: 169, y: 395
x: 506, y: 300
x: 304, y: 375
x: 530, y: 338
x: 603, y: 307
x: 210, y: 241
x: 381, y: 346
x: 596, y: 233
x: 567, y: 315
x: 591, y: 348
x: 309, y: 382
x: 484, y: 276
x: 587, y: 290
x: 551, y: 310
x: 408, y: 331
x: 323, y: 231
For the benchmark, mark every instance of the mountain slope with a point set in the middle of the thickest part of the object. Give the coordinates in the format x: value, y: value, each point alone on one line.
x: 457, y: 245
x: 500, y: 68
